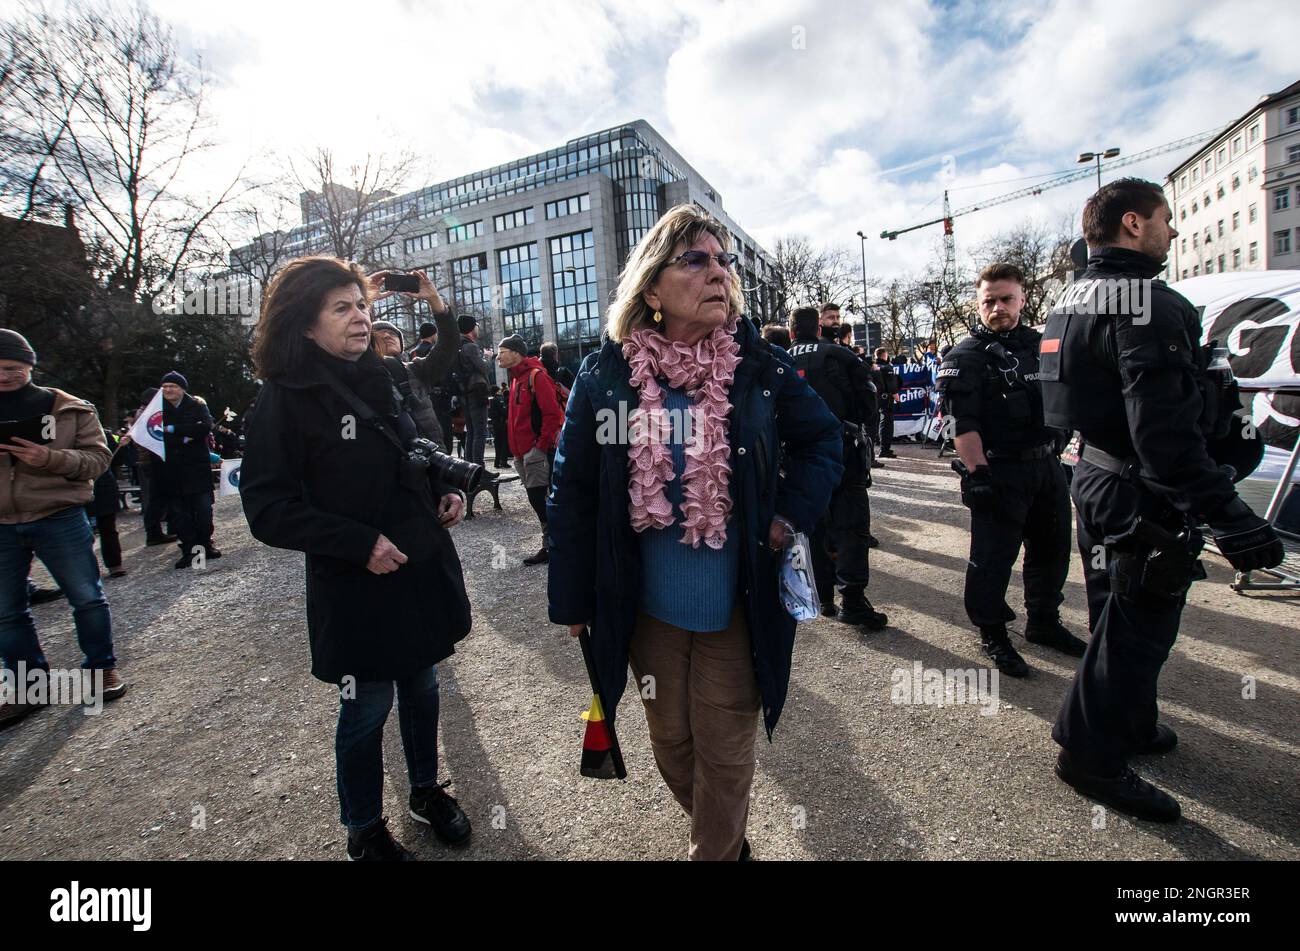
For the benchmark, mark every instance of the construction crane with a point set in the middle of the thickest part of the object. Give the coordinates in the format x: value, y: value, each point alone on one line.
x: 949, y: 249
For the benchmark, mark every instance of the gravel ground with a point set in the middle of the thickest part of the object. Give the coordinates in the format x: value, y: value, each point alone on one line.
x: 222, y: 748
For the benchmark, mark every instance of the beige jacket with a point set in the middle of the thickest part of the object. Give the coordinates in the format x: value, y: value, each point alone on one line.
x: 78, y: 456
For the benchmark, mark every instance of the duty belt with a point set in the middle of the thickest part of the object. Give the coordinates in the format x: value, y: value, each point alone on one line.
x: 1045, y: 451
x: 1124, y: 468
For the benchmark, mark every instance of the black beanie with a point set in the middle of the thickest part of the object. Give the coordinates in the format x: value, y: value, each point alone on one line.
x: 466, y: 323
x: 175, y: 377
x: 427, y: 329
x: 516, y: 343
x: 14, y: 346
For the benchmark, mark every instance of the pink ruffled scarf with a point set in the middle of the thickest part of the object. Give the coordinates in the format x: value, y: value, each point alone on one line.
x: 705, y: 372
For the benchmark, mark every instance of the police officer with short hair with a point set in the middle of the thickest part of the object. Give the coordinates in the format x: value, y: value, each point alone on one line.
x: 1122, y: 364
x: 842, y: 537
x: 1011, y: 477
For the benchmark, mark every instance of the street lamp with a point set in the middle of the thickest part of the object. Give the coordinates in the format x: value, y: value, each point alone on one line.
x: 1085, y: 157
x: 863, y: 242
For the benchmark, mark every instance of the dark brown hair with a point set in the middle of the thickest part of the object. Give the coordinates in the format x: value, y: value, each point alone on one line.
x: 1001, y: 272
x: 778, y: 335
x: 803, y: 322
x: 829, y: 306
x: 1105, y: 210
x: 290, y: 305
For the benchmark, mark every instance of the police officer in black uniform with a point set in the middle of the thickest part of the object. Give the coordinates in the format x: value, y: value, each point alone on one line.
x: 1011, y: 475
x: 844, y: 383
x: 1122, y: 364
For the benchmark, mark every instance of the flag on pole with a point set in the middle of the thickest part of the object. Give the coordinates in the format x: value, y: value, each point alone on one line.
x: 147, y: 430
x: 601, y: 756
x: 230, y: 476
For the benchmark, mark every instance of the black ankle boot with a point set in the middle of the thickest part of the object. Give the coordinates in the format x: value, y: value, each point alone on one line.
x: 997, y: 645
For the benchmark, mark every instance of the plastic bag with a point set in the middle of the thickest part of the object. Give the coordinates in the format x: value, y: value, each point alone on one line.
x: 798, y: 589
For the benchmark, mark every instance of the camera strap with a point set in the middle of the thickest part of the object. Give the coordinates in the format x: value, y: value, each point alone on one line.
x: 366, y: 414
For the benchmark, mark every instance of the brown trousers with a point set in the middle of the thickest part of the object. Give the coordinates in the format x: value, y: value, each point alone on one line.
x: 701, y: 708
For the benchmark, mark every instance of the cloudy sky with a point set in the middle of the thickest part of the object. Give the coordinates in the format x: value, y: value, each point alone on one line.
x: 820, y: 118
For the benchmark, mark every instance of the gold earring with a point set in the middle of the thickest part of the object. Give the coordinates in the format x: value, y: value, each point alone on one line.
x: 659, y: 318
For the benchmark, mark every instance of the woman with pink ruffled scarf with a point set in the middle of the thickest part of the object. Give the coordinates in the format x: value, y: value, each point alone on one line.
x: 690, y: 455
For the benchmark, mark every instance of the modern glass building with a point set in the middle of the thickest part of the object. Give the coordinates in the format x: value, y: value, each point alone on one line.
x: 535, y: 246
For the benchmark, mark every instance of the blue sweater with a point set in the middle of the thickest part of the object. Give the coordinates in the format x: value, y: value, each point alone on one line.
x: 690, y: 588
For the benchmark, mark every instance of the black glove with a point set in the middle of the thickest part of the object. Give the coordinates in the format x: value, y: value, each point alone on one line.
x: 977, y: 490
x: 1246, y: 540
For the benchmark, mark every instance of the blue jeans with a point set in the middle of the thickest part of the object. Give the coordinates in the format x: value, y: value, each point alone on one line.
x: 65, y: 545
x: 359, y: 742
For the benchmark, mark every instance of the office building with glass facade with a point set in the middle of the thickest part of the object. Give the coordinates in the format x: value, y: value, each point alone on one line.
x: 535, y: 246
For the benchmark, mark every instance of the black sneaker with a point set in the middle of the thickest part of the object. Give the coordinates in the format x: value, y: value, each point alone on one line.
x: 1054, y: 634
x: 1125, y: 792
x: 829, y: 609
x: 1164, y: 740
x: 541, y: 558
x: 998, y: 647
x: 887, y: 454
x: 436, y: 809
x: 186, y: 561
x: 377, y: 844
x: 873, y: 541
x: 862, y: 613
x: 211, y: 553
x: 160, y: 539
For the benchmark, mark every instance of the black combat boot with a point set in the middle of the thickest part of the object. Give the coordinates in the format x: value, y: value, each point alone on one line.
x: 1052, y: 633
x: 858, y: 610
x: 1124, y: 791
x: 997, y: 645
x: 1164, y: 740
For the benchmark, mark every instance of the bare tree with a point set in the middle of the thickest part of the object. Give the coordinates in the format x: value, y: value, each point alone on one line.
x: 806, y: 276
x: 351, y: 206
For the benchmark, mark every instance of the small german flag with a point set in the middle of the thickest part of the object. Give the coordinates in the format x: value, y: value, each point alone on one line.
x: 601, y: 756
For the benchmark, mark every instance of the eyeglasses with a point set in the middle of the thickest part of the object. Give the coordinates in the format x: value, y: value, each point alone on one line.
x: 698, y: 260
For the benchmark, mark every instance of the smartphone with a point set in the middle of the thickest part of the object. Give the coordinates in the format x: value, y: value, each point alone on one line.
x: 407, y: 283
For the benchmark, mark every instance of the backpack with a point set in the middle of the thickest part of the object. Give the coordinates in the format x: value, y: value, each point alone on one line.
x: 535, y: 411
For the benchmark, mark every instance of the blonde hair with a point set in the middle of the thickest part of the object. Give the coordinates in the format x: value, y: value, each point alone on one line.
x: 680, y: 225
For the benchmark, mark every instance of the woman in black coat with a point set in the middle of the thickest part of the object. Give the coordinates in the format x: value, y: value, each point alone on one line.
x: 103, y: 508
x: 326, y: 472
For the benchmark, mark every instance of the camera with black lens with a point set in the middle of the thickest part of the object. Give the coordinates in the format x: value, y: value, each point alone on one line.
x: 458, y: 473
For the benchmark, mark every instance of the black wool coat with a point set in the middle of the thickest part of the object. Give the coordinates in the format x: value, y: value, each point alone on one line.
x: 188, y: 467
x: 319, y: 480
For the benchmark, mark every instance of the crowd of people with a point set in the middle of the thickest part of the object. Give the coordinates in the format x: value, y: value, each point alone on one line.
x: 665, y: 544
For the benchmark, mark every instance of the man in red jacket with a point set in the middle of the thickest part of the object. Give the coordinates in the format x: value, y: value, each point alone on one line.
x: 533, y: 419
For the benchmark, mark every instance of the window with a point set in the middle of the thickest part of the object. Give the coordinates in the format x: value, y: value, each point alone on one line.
x: 568, y: 206
x: 1281, y: 199
x: 1236, y: 145
x: 1236, y: 220
x: 1195, y: 207
x: 1183, y: 246
x: 1184, y: 272
x: 425, y: 242
x: 1209, y: 266
x: 1208, y: 167
x: 1223, y: 157
x: 1293, y: 153
x: 1196, y: 240
x: 1196, y: 270
x: 1282, y: 242
x: 1254, y: 133
x: 1195, y: 174
x: 383, y: 253
x: 1236, y: 182
x: 1205, y: 199
x: 521, y: 293
x: 1252, y: 174
x: 1219, y: 192
x: 1207, y: 235
x: 1293, y: 116
x: 1182, y: 213
x: 1221, y: 259
x: 1220, y: 227
x: 573, y: 287
x: 1253, y: 254
x: 1182, y: 183
x: 465, y: 232
x: 1236, y: 259
x: 472, y: 290
x: 1252, y: 213
x: 513, y: 219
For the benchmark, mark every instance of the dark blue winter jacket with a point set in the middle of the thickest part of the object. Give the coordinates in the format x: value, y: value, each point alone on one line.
x: 785, y: 459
